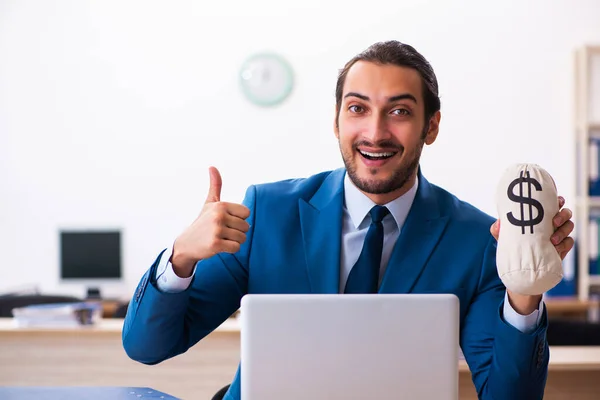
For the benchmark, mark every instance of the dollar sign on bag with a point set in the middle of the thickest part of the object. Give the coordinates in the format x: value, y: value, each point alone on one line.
x: 522, y: 200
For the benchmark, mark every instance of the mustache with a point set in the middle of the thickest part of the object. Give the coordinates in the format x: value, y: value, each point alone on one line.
x: 387, y: 144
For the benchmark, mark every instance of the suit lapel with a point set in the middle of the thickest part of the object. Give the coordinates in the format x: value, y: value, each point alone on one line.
x: 321, y: 223
x: 420, y: 234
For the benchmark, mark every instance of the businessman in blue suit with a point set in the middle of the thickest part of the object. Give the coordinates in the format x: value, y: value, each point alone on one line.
x: 376, y: 225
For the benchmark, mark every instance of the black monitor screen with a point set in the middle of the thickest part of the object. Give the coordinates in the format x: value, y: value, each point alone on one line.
x: 90, y: 255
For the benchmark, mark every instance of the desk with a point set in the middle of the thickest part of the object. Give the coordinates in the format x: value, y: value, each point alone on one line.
x: 569, y: 307
x: 78, y: 393
x: 94, y: 356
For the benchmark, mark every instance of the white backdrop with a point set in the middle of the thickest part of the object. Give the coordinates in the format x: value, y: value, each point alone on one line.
x: 112, y: 111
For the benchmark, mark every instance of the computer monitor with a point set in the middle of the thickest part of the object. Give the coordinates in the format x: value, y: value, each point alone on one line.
x: 92, y: 257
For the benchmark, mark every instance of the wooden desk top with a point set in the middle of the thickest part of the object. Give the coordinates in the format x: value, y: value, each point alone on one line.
x: 109, y: 325
x: 567, y: 358
x: 561, y: 357
x: 559, y: 305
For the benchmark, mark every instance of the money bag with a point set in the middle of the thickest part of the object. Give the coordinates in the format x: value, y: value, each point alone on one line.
x: 527, y: 201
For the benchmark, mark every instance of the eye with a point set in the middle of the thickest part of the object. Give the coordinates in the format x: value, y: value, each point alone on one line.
x: 355, y: 109
x: 401, y: 111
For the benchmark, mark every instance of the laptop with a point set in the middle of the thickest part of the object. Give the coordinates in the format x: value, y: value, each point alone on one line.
x: 331, y: 346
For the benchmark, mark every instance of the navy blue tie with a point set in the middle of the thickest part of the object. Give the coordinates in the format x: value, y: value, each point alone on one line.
x: 364, y: 276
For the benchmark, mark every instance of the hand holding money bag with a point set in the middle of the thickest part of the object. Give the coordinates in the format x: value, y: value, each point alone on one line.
x: 527, y: 201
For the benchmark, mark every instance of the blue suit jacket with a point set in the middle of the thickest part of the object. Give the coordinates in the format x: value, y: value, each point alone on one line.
x: 293, y: 246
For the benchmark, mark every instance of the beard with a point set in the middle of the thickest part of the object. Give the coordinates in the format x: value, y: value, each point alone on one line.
x: 400, y: 175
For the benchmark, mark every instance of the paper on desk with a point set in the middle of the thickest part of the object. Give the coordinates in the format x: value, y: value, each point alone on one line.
x: 58, y: 315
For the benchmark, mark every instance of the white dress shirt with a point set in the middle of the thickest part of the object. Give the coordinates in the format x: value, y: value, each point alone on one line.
x: 355, y: 224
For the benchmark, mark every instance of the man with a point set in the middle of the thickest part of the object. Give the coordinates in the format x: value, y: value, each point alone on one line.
x: 306, y: 236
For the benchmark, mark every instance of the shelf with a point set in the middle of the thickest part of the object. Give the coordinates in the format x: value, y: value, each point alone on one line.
x: 590, y: 201
x: 594, y: 279
x: 587, y: 126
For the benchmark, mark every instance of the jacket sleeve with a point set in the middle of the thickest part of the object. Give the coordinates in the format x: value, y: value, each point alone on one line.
x: 505, y: 363
x: 161, y: 325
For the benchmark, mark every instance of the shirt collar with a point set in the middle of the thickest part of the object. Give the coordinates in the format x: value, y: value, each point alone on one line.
x: 358, y: 204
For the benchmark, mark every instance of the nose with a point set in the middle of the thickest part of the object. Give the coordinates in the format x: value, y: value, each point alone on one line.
x: 377, y: 130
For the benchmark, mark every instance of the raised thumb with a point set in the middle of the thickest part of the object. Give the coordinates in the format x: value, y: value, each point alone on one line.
x: 214, y: 191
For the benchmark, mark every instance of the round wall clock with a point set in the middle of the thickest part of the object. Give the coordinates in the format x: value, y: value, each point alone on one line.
x: 266, y: 79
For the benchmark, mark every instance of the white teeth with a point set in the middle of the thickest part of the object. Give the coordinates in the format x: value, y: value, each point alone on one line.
x: 376, y: 154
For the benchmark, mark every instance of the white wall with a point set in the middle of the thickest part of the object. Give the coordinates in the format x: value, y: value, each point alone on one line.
x: 111, y: 111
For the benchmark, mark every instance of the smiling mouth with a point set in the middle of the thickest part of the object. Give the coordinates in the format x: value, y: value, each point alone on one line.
x: 384, y: 155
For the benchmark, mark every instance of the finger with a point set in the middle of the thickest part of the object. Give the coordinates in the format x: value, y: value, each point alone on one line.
x: 561, y: 202
x: 565, y: 246
x: 228, y: 246
x: 495, y: 229
x: 561, y: 233
x: 237, y: 223
x: 214, y: 190
x: 237, y: 210
x: 232, y: 235
x: 563, y: 216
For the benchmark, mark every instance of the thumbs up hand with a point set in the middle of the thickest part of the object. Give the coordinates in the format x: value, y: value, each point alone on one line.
x: 220, y: 227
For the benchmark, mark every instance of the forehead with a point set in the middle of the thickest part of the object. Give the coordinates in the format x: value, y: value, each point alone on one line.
x: 380, y: 81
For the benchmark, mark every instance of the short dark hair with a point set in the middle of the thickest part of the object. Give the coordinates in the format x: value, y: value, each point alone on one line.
x: 400, y: 54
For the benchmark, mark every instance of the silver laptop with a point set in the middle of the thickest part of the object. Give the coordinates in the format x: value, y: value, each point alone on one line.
x: 382, y: 346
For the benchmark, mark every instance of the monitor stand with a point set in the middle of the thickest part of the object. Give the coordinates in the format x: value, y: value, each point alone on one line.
x: 94, y: 293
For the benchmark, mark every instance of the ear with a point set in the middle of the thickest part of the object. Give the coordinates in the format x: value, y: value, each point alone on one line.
x: 434, y: 127
x: 336, y: 126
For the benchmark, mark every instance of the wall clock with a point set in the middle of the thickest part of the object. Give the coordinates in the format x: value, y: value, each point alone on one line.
x: 266, y: 79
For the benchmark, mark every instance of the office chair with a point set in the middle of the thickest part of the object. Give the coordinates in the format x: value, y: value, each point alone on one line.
x: 7, y: 303
x: 221, y: 393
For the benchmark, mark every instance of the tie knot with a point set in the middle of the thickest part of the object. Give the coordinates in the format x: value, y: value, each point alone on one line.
x: 378, y: 213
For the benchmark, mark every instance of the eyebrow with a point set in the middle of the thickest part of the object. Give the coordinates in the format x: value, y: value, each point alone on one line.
x: 405, y: 96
